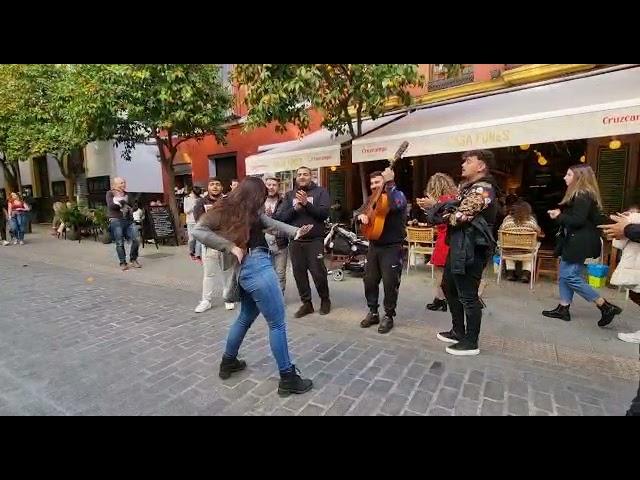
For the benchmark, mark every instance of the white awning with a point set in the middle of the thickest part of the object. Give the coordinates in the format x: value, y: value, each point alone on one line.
x: 597, y: 106
x: 319, y: 149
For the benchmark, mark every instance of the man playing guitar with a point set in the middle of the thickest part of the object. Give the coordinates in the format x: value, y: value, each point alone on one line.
x: 384, y: 258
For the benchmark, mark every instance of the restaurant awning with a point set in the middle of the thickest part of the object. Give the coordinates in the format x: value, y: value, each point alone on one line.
x: 319, y: 149
x: 601, y: 105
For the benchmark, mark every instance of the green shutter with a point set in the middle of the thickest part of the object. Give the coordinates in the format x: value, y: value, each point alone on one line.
x: 612, y: 174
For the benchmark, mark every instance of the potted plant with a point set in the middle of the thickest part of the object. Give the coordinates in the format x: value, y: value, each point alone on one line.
x: 101, y: 221
x: 74, y: 220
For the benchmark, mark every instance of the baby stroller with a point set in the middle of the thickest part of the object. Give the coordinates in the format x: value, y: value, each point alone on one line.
x: 348, y: 252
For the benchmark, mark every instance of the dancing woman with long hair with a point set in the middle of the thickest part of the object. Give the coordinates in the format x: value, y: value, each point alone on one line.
x: 235, y: 226
x: 579, y: 215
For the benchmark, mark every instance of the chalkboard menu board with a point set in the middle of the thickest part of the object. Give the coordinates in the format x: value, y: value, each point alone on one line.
x: 162, y: 224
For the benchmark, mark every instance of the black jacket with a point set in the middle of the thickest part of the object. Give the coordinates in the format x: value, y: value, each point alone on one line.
x: 282, y: 240
x: 470, y: 238
x: 394, y: 231
x: 314, y: 213
x: 199, y: 210
x: 579, y: 237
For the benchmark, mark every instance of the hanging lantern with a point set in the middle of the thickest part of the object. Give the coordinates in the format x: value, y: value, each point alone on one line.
x: 334, y: 168
x: 541, y: 160
x: 583, y: 159
x: 524, y: 147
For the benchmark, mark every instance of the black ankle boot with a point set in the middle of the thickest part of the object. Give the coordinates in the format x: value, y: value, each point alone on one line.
x: 526, y: 276
x: 305, y: 309
x: 438, y: 304
x: 291, y: 382
x: 608, y: 312
x: 386, y: 324
x: 229, y: 366
x: 325, y: 306
x: 511, y: 276
x: 372, y: 318
x: 561, y: 312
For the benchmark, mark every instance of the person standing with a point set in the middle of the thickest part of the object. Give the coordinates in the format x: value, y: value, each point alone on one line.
x: 310, y: 204
x: 4, y: 216
x: 440, y: 188
x: 190, y: 201
x: 234, y: 184
x: 278, y: 243
x: 210, y: 258
x: 121, y: 225
x: 384, y: 257
x: 18, y: 211
x: 235, y: 226
x: 579, y: 215
x: 470, y: 220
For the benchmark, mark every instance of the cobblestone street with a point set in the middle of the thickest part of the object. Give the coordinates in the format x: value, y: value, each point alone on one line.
x: 82, y: 343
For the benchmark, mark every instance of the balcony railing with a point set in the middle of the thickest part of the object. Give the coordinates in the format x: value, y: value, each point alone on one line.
x: 451, y: 82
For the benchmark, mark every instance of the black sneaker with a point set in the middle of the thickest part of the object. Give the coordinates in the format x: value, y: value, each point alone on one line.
x: 372, y: 318
x: 305, y: 309
x: 291, y: 382
x: 463, y: 348
x: 386, y: 325
x: 325, y: 306
x: 229, y: 366
x: 608, y: 312
x: 448, y: 337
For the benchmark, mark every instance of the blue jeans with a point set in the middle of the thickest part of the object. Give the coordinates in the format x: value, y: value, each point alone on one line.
x: 120, y: 230
x: 260, y: 294
x: 572, y: 280
x: 195, y: 247
x: 19, y: 224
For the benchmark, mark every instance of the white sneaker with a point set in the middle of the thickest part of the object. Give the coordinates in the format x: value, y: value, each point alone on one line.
x: 229, y: 306
x: 203, y: 306
x: 630, y: 337
x: 15, y: 242
x: 21, y: 242
x: 5, y: 243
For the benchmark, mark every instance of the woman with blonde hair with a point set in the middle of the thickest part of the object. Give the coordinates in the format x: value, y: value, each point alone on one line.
x: 579, y: 215
x: 440, y: 188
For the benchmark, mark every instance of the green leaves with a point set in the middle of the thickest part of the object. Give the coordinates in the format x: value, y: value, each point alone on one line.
x: 343, y: 93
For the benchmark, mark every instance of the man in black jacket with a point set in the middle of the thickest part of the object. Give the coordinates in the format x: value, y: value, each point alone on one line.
x: 470, y: 222
x: 384, y: 258
x: 623, y: 228
x: 308, y: 204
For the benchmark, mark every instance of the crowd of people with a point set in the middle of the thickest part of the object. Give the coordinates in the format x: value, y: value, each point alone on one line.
x: 244, y: 240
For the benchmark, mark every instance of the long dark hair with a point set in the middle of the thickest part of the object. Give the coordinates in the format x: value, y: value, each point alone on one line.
x: 521, y: 212
x: 233, y: 215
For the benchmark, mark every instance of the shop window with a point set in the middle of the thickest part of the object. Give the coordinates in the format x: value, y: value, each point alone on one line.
x: 59, y: 189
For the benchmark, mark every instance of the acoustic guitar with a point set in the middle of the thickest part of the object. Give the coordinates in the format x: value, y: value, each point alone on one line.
x: 377, y: 206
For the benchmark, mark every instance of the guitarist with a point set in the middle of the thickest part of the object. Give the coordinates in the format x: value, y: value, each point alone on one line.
x: 384, y: 258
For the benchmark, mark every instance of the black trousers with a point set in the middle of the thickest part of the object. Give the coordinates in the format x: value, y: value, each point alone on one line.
x: 309, y: 257
x: 461, y: 292
x: 383, y: 263
x: 634, y: 409
x: 3, y: 227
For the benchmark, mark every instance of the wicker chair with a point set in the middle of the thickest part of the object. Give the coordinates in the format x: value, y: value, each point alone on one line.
x: 519, y: 247
x: 421, y: 241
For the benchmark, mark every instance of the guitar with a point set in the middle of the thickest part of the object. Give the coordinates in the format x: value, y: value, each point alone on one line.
x: 377, y: 206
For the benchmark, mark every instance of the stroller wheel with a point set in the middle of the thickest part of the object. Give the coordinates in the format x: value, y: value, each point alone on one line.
x: 338, y: 275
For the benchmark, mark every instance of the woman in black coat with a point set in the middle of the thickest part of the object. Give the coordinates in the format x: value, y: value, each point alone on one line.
x: 579, y: 238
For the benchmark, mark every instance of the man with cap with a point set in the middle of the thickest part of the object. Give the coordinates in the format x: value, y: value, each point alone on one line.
x: 278, y: 244
x: 470, y: 219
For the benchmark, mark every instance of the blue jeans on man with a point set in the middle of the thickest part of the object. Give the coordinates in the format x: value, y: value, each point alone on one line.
x: 121, y: 230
